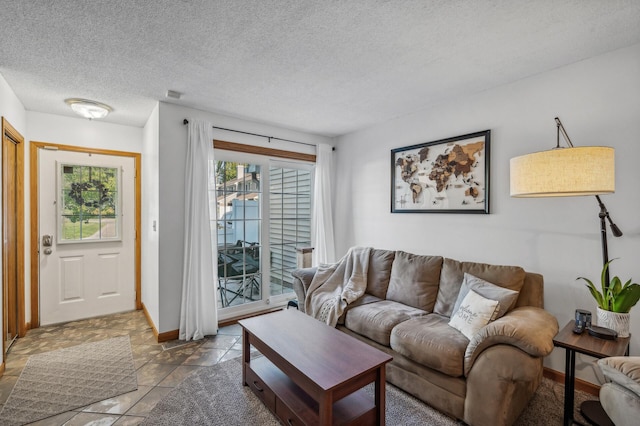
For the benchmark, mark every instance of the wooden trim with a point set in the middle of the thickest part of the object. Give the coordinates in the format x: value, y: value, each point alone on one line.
x: 9, y: 130
x: 22, y: 330
x: 150, y: 321
x: 226, y: 323
x: 2, y: 369
x: 234, y: 320
x: 73, y: 148
x: 580, y: 385
x: 168, y: 335
x: 251, y: 149
x: 35, y: 232
x: 160, y: 337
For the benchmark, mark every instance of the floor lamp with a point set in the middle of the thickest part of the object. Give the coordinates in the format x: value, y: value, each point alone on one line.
x: 568, y: 172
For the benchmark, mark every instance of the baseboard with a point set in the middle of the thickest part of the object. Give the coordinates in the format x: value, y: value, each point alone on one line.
x: 150, y: 322
x: 580, y: 385
x: 168, y: 335
x: 160, y: 337
x: 2, y: 369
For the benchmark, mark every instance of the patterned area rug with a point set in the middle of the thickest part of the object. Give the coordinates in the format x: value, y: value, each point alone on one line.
x: 215, y: 396
x: 62, y: 380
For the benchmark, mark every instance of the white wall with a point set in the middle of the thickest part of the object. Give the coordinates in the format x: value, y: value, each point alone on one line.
x: 13, y: 111
x: 150, y: 214
x: 598, y: 101
x: 11, y: 108
x: 69, y: 131
x: 172, y: 153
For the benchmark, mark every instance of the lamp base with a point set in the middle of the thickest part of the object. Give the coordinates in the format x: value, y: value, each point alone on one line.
x: 602, y: 333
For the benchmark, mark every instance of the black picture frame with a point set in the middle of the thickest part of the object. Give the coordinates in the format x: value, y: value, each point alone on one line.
x: 444, y: 176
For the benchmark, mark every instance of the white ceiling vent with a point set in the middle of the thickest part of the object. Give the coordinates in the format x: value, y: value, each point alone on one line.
x: 173, y: 94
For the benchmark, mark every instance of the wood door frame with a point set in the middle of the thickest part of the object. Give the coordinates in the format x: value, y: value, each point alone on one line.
x: 35, y: 231
x: 9, y: 131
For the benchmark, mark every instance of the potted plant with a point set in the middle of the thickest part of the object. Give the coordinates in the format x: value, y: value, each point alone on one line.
x: 614, y: 301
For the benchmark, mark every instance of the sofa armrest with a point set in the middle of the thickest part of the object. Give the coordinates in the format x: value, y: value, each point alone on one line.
x: 623, y: 370
x: 301, y: 280
x: 528, y: 328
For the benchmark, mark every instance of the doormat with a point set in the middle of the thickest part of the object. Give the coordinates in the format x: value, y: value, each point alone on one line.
x: 62, y: 380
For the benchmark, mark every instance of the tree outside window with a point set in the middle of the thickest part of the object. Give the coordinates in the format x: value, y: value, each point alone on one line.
x: 89, y: 197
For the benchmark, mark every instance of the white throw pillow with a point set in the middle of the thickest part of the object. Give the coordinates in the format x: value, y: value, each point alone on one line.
x: 506, y: 297
x: 473, y: 313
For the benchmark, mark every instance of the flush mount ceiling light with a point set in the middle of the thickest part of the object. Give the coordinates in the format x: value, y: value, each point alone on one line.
x: 88, y: 109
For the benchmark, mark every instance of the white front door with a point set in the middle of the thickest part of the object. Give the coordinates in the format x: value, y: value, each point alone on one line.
x: 87, y: 235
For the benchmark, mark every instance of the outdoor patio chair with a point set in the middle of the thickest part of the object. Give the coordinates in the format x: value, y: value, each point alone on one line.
x: 239, y: 267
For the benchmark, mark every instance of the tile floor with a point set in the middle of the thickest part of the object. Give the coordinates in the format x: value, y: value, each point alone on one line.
x: 159, y: 366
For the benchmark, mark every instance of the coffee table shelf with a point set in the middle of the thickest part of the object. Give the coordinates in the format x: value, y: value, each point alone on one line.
x: 294, y: 406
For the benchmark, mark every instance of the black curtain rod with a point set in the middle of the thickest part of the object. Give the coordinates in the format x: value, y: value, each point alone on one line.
x: 185, y: 121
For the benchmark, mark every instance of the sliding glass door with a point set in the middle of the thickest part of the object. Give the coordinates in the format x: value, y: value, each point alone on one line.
x: 238, y: 223
x: 263, y: 212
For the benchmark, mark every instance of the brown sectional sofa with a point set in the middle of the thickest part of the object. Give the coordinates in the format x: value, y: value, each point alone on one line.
x: 486, y: 380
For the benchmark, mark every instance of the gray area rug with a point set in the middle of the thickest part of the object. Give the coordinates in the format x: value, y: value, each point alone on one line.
x: 215, y: 396
x: 62, y: 380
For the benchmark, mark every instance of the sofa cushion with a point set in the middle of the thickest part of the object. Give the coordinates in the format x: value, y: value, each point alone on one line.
x: 363, y: 300
x: 452, y: 274
x: 379, y: 272
x: 473, y: 313
x: 504, y: 296
x: 414, y: 280
x: 428, y: 340
x: 376, y: 320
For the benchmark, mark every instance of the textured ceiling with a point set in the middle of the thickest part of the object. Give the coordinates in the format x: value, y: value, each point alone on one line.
x: 324, y: 66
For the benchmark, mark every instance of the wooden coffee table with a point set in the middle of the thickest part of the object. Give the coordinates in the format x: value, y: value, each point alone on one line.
x: 311, y: 373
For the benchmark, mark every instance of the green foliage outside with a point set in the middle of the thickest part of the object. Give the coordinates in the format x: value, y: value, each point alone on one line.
x: 71, y: 231
x: 88, y: 193
x: 226, y: 171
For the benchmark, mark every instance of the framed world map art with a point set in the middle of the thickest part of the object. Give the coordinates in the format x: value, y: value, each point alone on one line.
x: 445, y: 176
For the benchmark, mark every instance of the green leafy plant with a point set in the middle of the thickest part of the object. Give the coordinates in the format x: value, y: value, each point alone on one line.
x: 615, y: 296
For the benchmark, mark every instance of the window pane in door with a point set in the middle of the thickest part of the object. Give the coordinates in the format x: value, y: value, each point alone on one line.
x: 89, y: 203
x: 238, y: 224
x: 289, y: 223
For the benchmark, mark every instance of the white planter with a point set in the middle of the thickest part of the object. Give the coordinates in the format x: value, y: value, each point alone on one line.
x: 615, y: 321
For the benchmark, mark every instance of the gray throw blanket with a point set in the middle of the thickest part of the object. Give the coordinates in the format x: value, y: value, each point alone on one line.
x: 334, y: 286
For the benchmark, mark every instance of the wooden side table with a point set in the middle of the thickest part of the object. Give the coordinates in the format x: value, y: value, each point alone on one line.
x: 588, y: 345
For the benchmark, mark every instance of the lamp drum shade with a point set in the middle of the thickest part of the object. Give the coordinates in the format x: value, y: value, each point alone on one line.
x: 564, y: 172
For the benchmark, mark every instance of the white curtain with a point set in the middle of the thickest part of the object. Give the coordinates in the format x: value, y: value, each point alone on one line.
x: 322, y: 222
x: 198, y: 311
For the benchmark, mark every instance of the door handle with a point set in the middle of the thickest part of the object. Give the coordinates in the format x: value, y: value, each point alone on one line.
x: 47, y: 242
